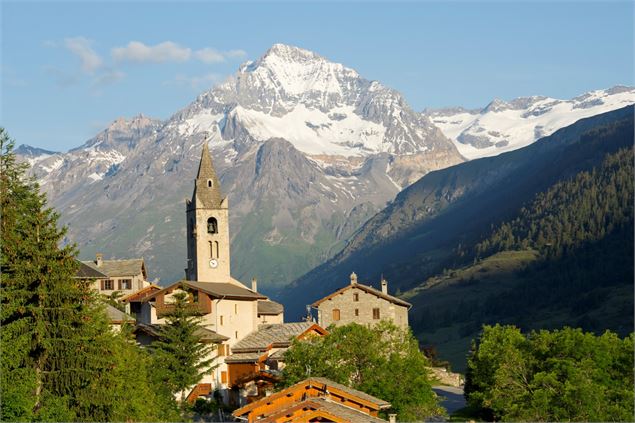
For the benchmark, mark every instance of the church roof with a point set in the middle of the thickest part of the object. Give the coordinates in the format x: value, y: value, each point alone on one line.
x: 206, y: 196
x: 117, y: 268
x: 269, y: 308
x: 215, y: 289
x: 368, y: 289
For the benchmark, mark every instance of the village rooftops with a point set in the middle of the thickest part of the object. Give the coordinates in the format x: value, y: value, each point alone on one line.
x: 314, y: 388
x: 118, y: 268
x: 322, y: 409
x: 85, y: 271
x: 367, y: 289
x: 138, y: 296
x: 269, y: 308
x: 206, y: 335
x: 277, y: 335
x: 214, y: 289
x: 117, y: 316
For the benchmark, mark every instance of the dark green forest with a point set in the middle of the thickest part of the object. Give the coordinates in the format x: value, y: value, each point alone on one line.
x: 569, y: 261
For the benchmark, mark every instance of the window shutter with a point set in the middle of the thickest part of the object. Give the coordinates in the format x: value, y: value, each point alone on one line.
x: 102, y: 284
x: 119, y: 283
x: 223, y: 377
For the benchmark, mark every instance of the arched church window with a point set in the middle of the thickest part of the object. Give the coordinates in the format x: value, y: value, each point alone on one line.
x: 216, y: 249
x: 210, y: 183
x: 213, y: 249
x: 212, y: 226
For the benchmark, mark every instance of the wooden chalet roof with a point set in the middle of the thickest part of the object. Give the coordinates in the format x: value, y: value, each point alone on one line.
x: 206, y: 335
x: 118, y: 268
x: 324, y: 388
x: 274, y: 335
x: 367, y: 289
x: 84, y: 271
x: 215, y: 289
x: 139, y: 295
x: 321, y: 407
x: 269, y: 308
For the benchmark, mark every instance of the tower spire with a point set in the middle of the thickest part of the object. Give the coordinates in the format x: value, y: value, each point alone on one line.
x: 207, y: 186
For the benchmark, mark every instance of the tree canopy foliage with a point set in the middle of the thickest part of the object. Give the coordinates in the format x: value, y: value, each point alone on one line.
x: 60, y: 361
x: 560, y: 375
x: 383, y: 361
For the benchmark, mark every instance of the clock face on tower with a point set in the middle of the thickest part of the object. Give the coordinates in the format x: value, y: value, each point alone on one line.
x: 213, y: 263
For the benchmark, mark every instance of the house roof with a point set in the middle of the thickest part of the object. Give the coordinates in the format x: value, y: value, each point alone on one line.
x: 368, y: 289
x: 247, y: 357
x: 274, y: 335
x: 117, y: 316
x: 325, y: 408
x: 269, y: 308
x: 139, y: 295
x: 118, y: 268
x: 214, y: 289
x: 325, y: 387
x: 86, y: 272
x: 206, y: 335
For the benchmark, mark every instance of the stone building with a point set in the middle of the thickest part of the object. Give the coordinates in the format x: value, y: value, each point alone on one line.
x: 126, y: 276
x: 361, y: 304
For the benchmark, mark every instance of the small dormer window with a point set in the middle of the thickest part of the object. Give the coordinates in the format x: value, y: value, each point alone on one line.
x: 210, y: 184
x: 212, y: 225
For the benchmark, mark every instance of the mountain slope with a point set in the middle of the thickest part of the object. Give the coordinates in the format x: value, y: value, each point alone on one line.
x: 306, y: 150
x: 422, y: 231
x: 506, y: 126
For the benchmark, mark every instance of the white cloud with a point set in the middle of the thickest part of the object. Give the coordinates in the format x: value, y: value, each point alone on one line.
x: 138, y: 52
x: 236, y: 53
x: 196, y: 82
x: 109, y: 76
x: 209, y: 55
x: 81, y: 47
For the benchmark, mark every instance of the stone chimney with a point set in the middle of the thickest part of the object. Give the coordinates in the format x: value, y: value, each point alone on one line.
x: 384, y: 286
x: 392, y: 418
x: 353, y: 278
x: 99, y: 259
x: 254, y: 284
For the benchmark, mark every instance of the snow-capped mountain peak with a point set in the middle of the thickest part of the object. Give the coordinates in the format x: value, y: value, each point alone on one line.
x: 508, y: 125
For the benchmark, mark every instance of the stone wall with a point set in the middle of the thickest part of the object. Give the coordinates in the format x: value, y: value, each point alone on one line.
x: 347, y: 306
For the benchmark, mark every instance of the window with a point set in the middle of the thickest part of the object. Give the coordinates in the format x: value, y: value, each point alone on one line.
x: 223, y: 377
x: 376, y: 313
x: 356, y: 312
x: 236, y: 334
x: 356, y: 297
x: 212, y: 225
x: 210, y: 183
x: 221, y: 320
x: 235, y: 308
x: 107, y: 285
x: 222, y: 350
x: 125, y: 284
x: 336, y: 314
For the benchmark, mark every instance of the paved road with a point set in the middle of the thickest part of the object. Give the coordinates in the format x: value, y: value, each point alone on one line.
x: 451, y: 398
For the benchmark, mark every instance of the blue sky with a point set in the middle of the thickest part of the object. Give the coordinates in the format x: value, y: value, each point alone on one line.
x: 70, y: 68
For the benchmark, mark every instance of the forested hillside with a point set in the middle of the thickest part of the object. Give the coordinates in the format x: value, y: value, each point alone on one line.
x: 565, y: 259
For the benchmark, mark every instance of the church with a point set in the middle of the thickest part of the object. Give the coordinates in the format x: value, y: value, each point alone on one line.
x: 229, y: 309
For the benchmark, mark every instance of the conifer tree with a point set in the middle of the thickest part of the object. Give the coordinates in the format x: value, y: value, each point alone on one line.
x: 181, y: 359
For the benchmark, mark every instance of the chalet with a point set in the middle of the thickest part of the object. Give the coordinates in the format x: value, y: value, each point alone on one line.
x: 256, y: 360
x: 361, y: 304
x: 314, y: 399
x: 126, y: 276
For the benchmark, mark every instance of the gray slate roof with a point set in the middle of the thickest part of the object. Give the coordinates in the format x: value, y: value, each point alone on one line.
x: 248, y: 357
x: 363, y: 395
x: 269, y: 308
x: 118, y: 268
x: 206, y: 335
x: 86, y: 272
x: 368, y: 289
x: 279, y: 334
x: 323, y: 403
x: 209, y: 197
x: 116, y: 316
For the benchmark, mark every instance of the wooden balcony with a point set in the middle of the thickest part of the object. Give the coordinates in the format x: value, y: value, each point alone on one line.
x: 195, y: 308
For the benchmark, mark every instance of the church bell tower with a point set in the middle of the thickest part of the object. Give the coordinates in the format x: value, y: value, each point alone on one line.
x: 207, y: 227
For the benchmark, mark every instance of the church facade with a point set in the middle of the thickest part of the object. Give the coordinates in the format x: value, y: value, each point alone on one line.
x: 229, y: 309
